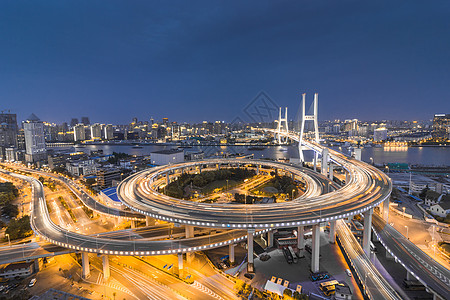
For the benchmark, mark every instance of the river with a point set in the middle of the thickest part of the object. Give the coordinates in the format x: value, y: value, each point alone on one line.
x: 437, y: 156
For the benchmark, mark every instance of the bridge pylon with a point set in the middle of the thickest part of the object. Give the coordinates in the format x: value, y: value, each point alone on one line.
x: 280, y: 128
x: 312, y: 118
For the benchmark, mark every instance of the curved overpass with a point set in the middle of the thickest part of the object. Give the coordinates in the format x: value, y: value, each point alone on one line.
x: 43, y: 226
x: 367, y: 188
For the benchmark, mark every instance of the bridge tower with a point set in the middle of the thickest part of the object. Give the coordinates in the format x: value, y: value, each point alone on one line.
x: 280, y: 127
x: 313, y: 118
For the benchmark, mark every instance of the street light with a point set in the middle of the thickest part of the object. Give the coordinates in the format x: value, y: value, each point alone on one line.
x: 404, y: 211
x: 371, y: 160
x: 9, y: 241
x: 406, y: 232
x: 293, y: 194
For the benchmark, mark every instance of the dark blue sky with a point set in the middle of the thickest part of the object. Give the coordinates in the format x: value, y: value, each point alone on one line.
x: 206, y: 60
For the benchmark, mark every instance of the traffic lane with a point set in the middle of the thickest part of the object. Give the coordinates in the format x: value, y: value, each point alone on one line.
x: 427, y: 269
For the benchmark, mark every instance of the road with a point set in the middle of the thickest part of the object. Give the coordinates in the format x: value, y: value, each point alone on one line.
x: 429, y: 272
x: 44, y: 227
x: 373, y: 282
x: 366, y: 188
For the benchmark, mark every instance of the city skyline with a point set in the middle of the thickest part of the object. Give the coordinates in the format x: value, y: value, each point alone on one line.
x: 203, y: 150
x: 212, y: 59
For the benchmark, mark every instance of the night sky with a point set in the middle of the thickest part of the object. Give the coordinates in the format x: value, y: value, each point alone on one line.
x: 206, y: 60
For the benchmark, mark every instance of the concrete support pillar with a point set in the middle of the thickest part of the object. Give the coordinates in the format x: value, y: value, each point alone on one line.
x: 324, y: 162
x: 347, y: 177
x: 133, y: 224
x: 167, y: 178
x: 301, y: 240
x: 106, y: 271
x: 385, y: 210
x: 367, y: 230
x: 315, y: 248
x: 315, y: 161
x: 331, y: 172
x: 189, y: 234
x: 257, y: 170
x: 250, y: 266
x: 270, y: 238
x: 332, y: 232
x: 358, y: 153
x: 388, y: 255
x: 189, y: 231
x: 36, y: 265
x: 86, y: 272
x: 149, y: 221
x: 409, y: 276
x: 180, y: 265
x: 231, y: 252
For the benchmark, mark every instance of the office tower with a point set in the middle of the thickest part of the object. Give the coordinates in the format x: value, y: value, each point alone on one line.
x: 441, y: 127
x: 96, y: 131
x: 108, y: 132
x: 34, y: 139
x: 85, y: 120
x: 8, y: 132
x: 78, y: 133
x: 73, y: 122
x: 380, y: 134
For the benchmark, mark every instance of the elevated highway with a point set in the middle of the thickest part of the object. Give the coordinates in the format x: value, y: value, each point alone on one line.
x: 420, y: 265
x: 43, y: 227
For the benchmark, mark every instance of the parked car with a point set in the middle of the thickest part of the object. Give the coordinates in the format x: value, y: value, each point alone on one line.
x: 32, y: 282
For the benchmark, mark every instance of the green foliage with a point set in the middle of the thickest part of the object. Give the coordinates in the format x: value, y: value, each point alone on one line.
x: 287, y: 292
x: 8, y: 193
x: 11, y: 210
x: 177, y: 187
x: 423, y: 193
x: 19, y: 228
x: 117, y: 156
x: 69, y: 210
x: 285, y: 184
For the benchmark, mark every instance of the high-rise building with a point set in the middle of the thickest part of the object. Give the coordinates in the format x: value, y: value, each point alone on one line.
x: 85, y: 121
x: 73, y: 122
x: 78, y: 133
x: 108, y: 132
x: 441, y: 127
x: 8, y: 132
x: 96, y: 131
x: 380, y: 134
x: 34, y: 139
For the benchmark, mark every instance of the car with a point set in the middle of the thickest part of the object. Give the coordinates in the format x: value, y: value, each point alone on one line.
x: 349, y: 273
x: 249, y: 276
x: 32, y: 282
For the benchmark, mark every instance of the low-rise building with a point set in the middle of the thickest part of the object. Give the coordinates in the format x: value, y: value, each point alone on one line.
x: 441, y: 209
x: 81, y: 168
x: 19, y: 269
x: 342, y: 292
x: 165, y: 157
x: 432, y: 197
x: 106, y: 176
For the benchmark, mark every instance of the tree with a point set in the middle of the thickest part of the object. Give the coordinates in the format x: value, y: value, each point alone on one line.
x: 287, y: 292
x: 19, y: 228
x: 41, y: 179
x: 11, y: 210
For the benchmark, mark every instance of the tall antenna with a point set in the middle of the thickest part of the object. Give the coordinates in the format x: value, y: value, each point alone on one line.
x: 313, y: 118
